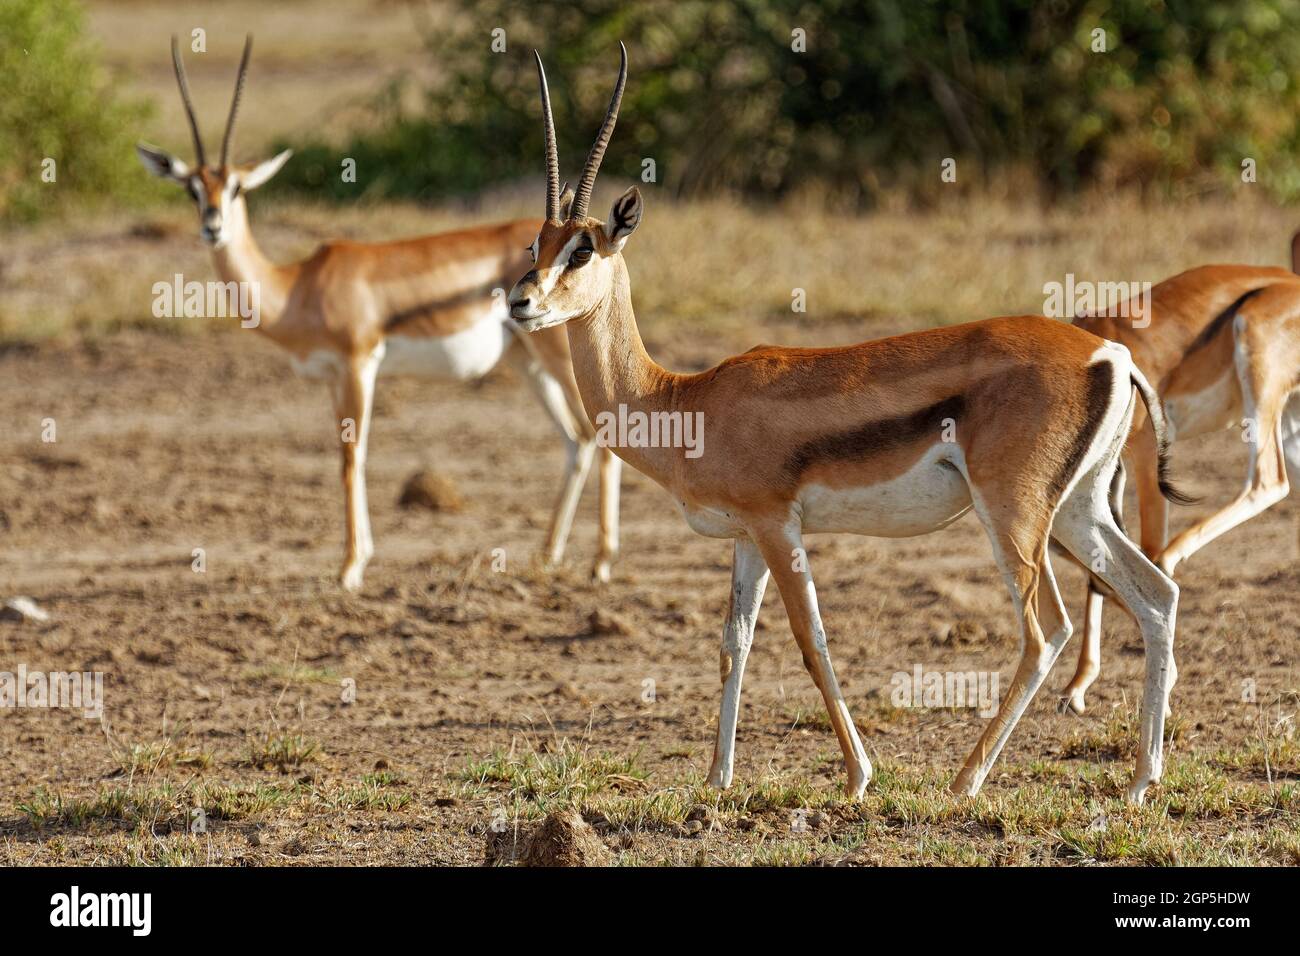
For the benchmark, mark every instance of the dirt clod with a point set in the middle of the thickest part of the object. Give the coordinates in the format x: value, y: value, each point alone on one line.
x: 606, y: 622
x: 428, y: 489
x: 563, y: 838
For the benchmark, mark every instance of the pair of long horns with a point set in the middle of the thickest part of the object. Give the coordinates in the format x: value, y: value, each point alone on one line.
x: 585, y: 185
x: 189, y: 104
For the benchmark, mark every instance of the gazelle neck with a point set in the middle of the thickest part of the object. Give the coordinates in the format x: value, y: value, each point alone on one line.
x: 613, y: 369
x: 241, y: 260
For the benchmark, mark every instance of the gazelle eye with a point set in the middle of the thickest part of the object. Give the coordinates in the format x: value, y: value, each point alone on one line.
x: 531, y: 254
x: 581, y: 256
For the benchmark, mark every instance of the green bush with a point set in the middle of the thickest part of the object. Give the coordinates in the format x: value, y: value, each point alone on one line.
x: 56, y: 105
x: 886, y: 89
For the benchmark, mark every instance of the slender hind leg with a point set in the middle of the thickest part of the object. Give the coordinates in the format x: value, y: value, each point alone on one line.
x: 800, y: 599
x: 749, y: 576
x: 1039, y: 607
x: 1263, y: 401
x: 1085, y: 526
x: 1153, y: 515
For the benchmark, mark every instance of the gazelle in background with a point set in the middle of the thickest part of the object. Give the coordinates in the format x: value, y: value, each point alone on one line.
x: 1222, y: 345
x: 853, y: 439
x: 353, y: 310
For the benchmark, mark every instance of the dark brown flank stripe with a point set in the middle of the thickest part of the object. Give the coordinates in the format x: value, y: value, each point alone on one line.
x: 876, y: 438
x: 1101, y: 380
x: 1209, y: 333
x: 471, y: 296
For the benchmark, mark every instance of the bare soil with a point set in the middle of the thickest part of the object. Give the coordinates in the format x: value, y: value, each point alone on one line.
x: 167, y: 444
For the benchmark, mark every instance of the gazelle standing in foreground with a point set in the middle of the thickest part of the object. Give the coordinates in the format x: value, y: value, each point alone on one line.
x: 852, y: 439
x: 424, y: 306
x: 1222, y: 345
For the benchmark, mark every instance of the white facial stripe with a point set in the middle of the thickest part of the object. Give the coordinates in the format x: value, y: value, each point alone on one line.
x: 551, y: 276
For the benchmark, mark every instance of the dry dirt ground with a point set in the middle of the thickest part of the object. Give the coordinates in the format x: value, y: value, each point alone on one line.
x: 485, y: 698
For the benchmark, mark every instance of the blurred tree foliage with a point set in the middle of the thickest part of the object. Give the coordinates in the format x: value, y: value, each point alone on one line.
x: 56, y: 105
x: 1185, y: 90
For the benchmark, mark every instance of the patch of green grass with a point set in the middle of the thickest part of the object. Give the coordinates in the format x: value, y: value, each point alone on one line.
x: 566, y: 774
x: 123, y: 805
x: 282, y: 752
x: 1116, y: 737
x: 294, y: 674
x: 1272, y: 756
x: 370, y: 794
x: 142, y: 759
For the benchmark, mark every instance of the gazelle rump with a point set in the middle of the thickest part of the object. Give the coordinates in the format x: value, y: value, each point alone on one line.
x: 427, y: 306
x: 854, y: 439
x: 1221, y: 344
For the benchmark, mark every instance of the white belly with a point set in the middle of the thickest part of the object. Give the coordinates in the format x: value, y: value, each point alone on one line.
x: 930, y: 495
x: 1215, y: 407
x: 468, y: 354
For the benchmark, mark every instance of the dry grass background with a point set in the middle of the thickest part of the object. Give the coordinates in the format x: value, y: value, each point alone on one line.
x: 724, y: 262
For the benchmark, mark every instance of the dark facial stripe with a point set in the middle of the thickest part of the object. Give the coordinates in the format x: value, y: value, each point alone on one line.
x: 876, y: 438
x: 1101, y: 380
x: 1212, y: 330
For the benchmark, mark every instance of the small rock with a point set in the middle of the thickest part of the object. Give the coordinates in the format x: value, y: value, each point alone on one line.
x: 605, y: 622
x: 817, y: 819
x: 962, y: 633
x: 692, y: 827
x: 427, y: 489
x: 22, y: 609
x: 705, y: 816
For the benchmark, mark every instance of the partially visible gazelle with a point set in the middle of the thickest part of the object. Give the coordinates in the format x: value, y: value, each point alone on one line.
x: 1222, y: 346
x: 854, y: 439
x: 432, y: 306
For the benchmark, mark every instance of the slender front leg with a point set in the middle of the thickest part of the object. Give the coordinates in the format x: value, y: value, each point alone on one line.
x: 354, y: 395
x: 800, y: 599
x: 611, y: 470
x: 749, y: 576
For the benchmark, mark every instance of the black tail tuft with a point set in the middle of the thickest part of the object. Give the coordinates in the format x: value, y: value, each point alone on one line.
x: 1155, y: 412
x: 1169, y: 491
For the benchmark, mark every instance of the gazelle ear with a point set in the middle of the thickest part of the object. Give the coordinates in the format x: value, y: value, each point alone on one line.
x: 250, y: 177
x: 566, y: 202
x: 624, y: 217
x: 161, y: 163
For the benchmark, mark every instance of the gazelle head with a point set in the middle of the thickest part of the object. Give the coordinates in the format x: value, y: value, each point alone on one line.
x: 216, y: 190
x: 574, y: 255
